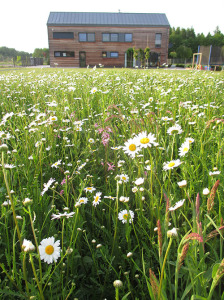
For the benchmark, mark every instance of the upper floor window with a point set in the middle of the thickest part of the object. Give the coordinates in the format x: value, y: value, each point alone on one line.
x: 158, y: 40
x: 64, y: 54
x: 87, y: 37
x: 116, y: 37
x: 63, y: 35
x: 128, y: 37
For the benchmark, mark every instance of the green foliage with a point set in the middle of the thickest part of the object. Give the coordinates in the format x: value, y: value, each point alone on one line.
x: 6, y: 53
x: 54, y: 115
x: 180, y: 37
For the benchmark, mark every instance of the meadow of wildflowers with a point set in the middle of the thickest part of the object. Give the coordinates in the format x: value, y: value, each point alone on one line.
x: 111, y: 184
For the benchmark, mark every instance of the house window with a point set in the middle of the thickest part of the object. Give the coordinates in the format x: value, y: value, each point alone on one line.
x: 87, y: 37
x: 114, y: 37
x: 114, y: 54
x: 64, y: 54
x: 108, y: 54
x: 128, y: 37
x: 106, y: 37
x: 158, y: 40
x: 63, y: 35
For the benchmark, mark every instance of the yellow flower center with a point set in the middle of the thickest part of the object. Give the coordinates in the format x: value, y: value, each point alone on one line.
x: 49, y: 250
x: 132, y: 147
x: 96, y: 199
x: 185, y: 149
x: 144, y: 140
x: 124, y: 178
x: 81, y: 201
x: 171, y: 164
x: 125, y: 216
x: 89, y: 188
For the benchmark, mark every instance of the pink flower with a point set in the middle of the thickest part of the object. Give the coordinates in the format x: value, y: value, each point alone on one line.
x: 110, y: 167
x: 61, y: 192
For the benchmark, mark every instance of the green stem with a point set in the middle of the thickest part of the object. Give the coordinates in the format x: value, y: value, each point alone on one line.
x: 116, y: 293
x: 11, y: 200
x: 37, y: 280
x: 24, y: 274
x: 163, y: 267
x: 36, y: 243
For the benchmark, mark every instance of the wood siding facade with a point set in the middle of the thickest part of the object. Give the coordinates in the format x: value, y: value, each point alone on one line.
x: 70, y: 52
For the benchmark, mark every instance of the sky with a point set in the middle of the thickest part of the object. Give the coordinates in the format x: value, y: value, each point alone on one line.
x: 23, y: 22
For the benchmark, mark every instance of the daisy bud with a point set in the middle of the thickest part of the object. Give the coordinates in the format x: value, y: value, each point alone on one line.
x: 172, y: 233
x: 28, y: 246
x: 118, y: 284
x: 27, y: 202
x: 69, y: 251
x: 3, y: 148
x: 129, y: 254
x: 206, y: 191
x: 98, y: 246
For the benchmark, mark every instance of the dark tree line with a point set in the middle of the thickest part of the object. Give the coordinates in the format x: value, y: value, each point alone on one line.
x: 12, y: 54
x: 184, y: 42
x: 9, y: 53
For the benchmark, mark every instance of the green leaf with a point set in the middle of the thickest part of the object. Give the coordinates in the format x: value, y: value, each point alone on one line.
x: 126, y: 296
x: 214, y: 270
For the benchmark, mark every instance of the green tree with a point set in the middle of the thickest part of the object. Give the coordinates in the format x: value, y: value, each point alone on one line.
x: 135, y: 54
x: 184, y: 52
x: 147, y: 55
x: 141, y: 56
x: 42, y: 53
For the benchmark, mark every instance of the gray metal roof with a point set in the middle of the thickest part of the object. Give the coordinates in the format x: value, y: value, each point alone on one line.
x: 107, y: 19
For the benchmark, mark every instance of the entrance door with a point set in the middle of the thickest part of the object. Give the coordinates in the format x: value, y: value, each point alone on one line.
x: 82, y: 59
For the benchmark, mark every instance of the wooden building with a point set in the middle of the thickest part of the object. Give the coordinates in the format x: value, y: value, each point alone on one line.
x: 79, y: 39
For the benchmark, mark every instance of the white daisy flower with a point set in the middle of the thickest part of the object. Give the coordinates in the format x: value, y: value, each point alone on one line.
x: 139, y: 181
x: 189, y: 140
x: 182, y: 183
x: 166, y: 118
x: 126, y: 216
x: 89, y: 189
x: 124, y: 177
x: 49, y: 250
x: 53, y: 118
x: 171, y: 164
x: 97, y: 199
x: 184, y: 148
x: 214, y: 173
x: 177, y: 205
x: 64, y: 215
x: 131, y: 147
x: 175, y: 129
x: 56, y: 164
x: 93, y: 90
x: 83, y: 200
x: 146, y: 140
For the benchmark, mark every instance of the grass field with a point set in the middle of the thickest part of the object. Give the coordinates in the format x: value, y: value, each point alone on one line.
x: 111, y: 184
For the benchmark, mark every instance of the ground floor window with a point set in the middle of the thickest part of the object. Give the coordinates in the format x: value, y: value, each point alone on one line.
x: 110, y: 54
x: 64, y: 54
